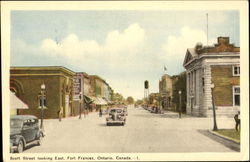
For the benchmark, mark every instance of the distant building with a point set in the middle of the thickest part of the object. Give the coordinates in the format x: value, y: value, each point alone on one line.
x: 218, y: 65
x: 98, y: 90
x: 166, y: 91
x: 26, y: 83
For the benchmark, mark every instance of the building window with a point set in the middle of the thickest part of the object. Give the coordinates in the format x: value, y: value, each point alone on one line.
x: 236, y: 95
x: 236, y: 70
x: 40, y: 101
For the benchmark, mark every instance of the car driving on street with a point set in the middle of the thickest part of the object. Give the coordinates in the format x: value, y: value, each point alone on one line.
x: 116, y: 116
x: 24, y: 131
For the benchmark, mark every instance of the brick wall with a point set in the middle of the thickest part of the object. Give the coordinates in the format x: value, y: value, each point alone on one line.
x: 224, y: 81
x: 32, y: 87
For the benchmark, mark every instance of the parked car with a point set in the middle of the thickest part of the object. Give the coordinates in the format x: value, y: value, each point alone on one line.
x: 125, y: 111
x: 116, y: 116
x: 24, y: 131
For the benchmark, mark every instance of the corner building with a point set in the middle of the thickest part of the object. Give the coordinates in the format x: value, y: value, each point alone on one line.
x: 213, y: 70
x: 26, y: 83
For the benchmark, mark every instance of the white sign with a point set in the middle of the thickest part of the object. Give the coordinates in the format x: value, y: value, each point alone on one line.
x: 77, y: 87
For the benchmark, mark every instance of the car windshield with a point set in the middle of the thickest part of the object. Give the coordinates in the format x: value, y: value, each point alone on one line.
x: 16, y: 123
x: 119, y: 111
x: 116, y: 110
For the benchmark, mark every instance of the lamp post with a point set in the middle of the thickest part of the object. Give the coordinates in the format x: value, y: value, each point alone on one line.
x: 80, y: 107
x: 214, y: 113
x: 42, y: 104
x: 179, y: 103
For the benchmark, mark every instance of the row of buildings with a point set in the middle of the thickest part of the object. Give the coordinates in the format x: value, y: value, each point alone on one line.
x: 212, y: 75
x: 66, y: 91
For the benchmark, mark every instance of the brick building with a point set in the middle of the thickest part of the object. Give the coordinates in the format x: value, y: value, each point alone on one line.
x: 98, y: 91
x: 26, y: 82
x: 217, y: 65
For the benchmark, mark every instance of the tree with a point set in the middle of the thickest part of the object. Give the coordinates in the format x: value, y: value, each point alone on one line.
x: 130, y: 100
x: 180, y: 85
x: 139, y: 102
x: 118, y: 98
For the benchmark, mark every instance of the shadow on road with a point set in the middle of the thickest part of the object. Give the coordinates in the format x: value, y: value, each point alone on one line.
x: 105, y: 125
x: 146, y: 115
x: 227, y: 143
x: 30, y: 146
x: 169, y: 115
x: 102, y: 125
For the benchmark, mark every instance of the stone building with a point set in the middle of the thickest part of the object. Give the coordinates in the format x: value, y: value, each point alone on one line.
x: 26, y: 83
x: 166, y: 91
x: 215, y: 66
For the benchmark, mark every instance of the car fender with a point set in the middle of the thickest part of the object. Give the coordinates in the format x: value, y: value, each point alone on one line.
x: 18, y: 138
x: 38, y: 133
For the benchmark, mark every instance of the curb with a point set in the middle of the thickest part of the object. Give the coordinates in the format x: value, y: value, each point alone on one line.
x: 224, y: 137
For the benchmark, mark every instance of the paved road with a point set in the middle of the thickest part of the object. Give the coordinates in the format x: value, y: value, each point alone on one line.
x: 144, y: 132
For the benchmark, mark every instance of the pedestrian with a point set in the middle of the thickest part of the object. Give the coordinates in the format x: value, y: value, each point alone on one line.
x: 100, y: 112
x: 237, y: 121
x: 59, y: 115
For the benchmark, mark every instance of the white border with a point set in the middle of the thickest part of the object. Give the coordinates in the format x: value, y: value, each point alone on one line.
x: 242, y: 6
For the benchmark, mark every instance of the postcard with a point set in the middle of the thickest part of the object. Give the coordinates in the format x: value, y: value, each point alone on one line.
x: 125, y: 81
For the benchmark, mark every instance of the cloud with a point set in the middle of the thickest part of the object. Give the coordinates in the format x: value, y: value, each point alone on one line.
x: 115, y: 44
x: 129, y: 39
x: 175, y: 46
x: 70, y: 47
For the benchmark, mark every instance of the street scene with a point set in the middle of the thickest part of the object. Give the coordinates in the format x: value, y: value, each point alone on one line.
x: 143, y: 132
x: 125, y: 81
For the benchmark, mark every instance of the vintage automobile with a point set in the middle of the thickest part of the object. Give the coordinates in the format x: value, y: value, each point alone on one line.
x: 116, y: 116
x: 24, y: 131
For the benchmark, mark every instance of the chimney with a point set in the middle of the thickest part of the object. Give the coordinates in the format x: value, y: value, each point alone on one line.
x: 223, y: 40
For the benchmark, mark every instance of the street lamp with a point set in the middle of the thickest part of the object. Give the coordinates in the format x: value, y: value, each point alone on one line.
x: 179, y: 103
x: 80, y: 107
x: 42, y: 99
x: 214, y: 113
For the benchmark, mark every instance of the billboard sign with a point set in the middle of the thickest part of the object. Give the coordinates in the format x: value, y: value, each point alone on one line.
x: 77, y: 87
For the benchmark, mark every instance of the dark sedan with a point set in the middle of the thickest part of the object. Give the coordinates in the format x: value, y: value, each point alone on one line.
x: 24, y: 131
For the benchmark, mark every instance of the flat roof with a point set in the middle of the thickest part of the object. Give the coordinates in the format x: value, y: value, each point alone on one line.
x: 43, y: 68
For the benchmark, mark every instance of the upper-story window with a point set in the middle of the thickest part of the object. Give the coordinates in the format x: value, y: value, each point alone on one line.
x: 236, y: 70
x: 236, y: 95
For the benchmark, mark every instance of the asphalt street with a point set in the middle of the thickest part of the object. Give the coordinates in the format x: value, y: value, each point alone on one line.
x: 144, y: 132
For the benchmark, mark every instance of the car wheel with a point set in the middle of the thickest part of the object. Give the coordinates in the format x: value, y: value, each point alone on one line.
x: 40, y: 139
x: 20, y: 146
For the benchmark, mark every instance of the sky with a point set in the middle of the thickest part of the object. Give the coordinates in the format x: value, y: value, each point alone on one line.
x: 125, y: 48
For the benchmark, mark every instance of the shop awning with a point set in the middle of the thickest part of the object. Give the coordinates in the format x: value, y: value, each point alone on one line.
x: 98, y: 100
x: 102, y: 101
x: 95, y: 100
x: 88, y: 99
x: 16, y: 103
x: 107, y: 100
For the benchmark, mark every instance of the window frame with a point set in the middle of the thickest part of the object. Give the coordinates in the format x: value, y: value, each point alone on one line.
x: 233, y: 71
x: 233, y: 88
x: 39, y: 99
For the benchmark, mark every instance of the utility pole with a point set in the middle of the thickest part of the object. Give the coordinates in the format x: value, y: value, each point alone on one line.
x: 80, y: 106
x: 207, y: 29
x: 179, y: 103
x: 214, y: 112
